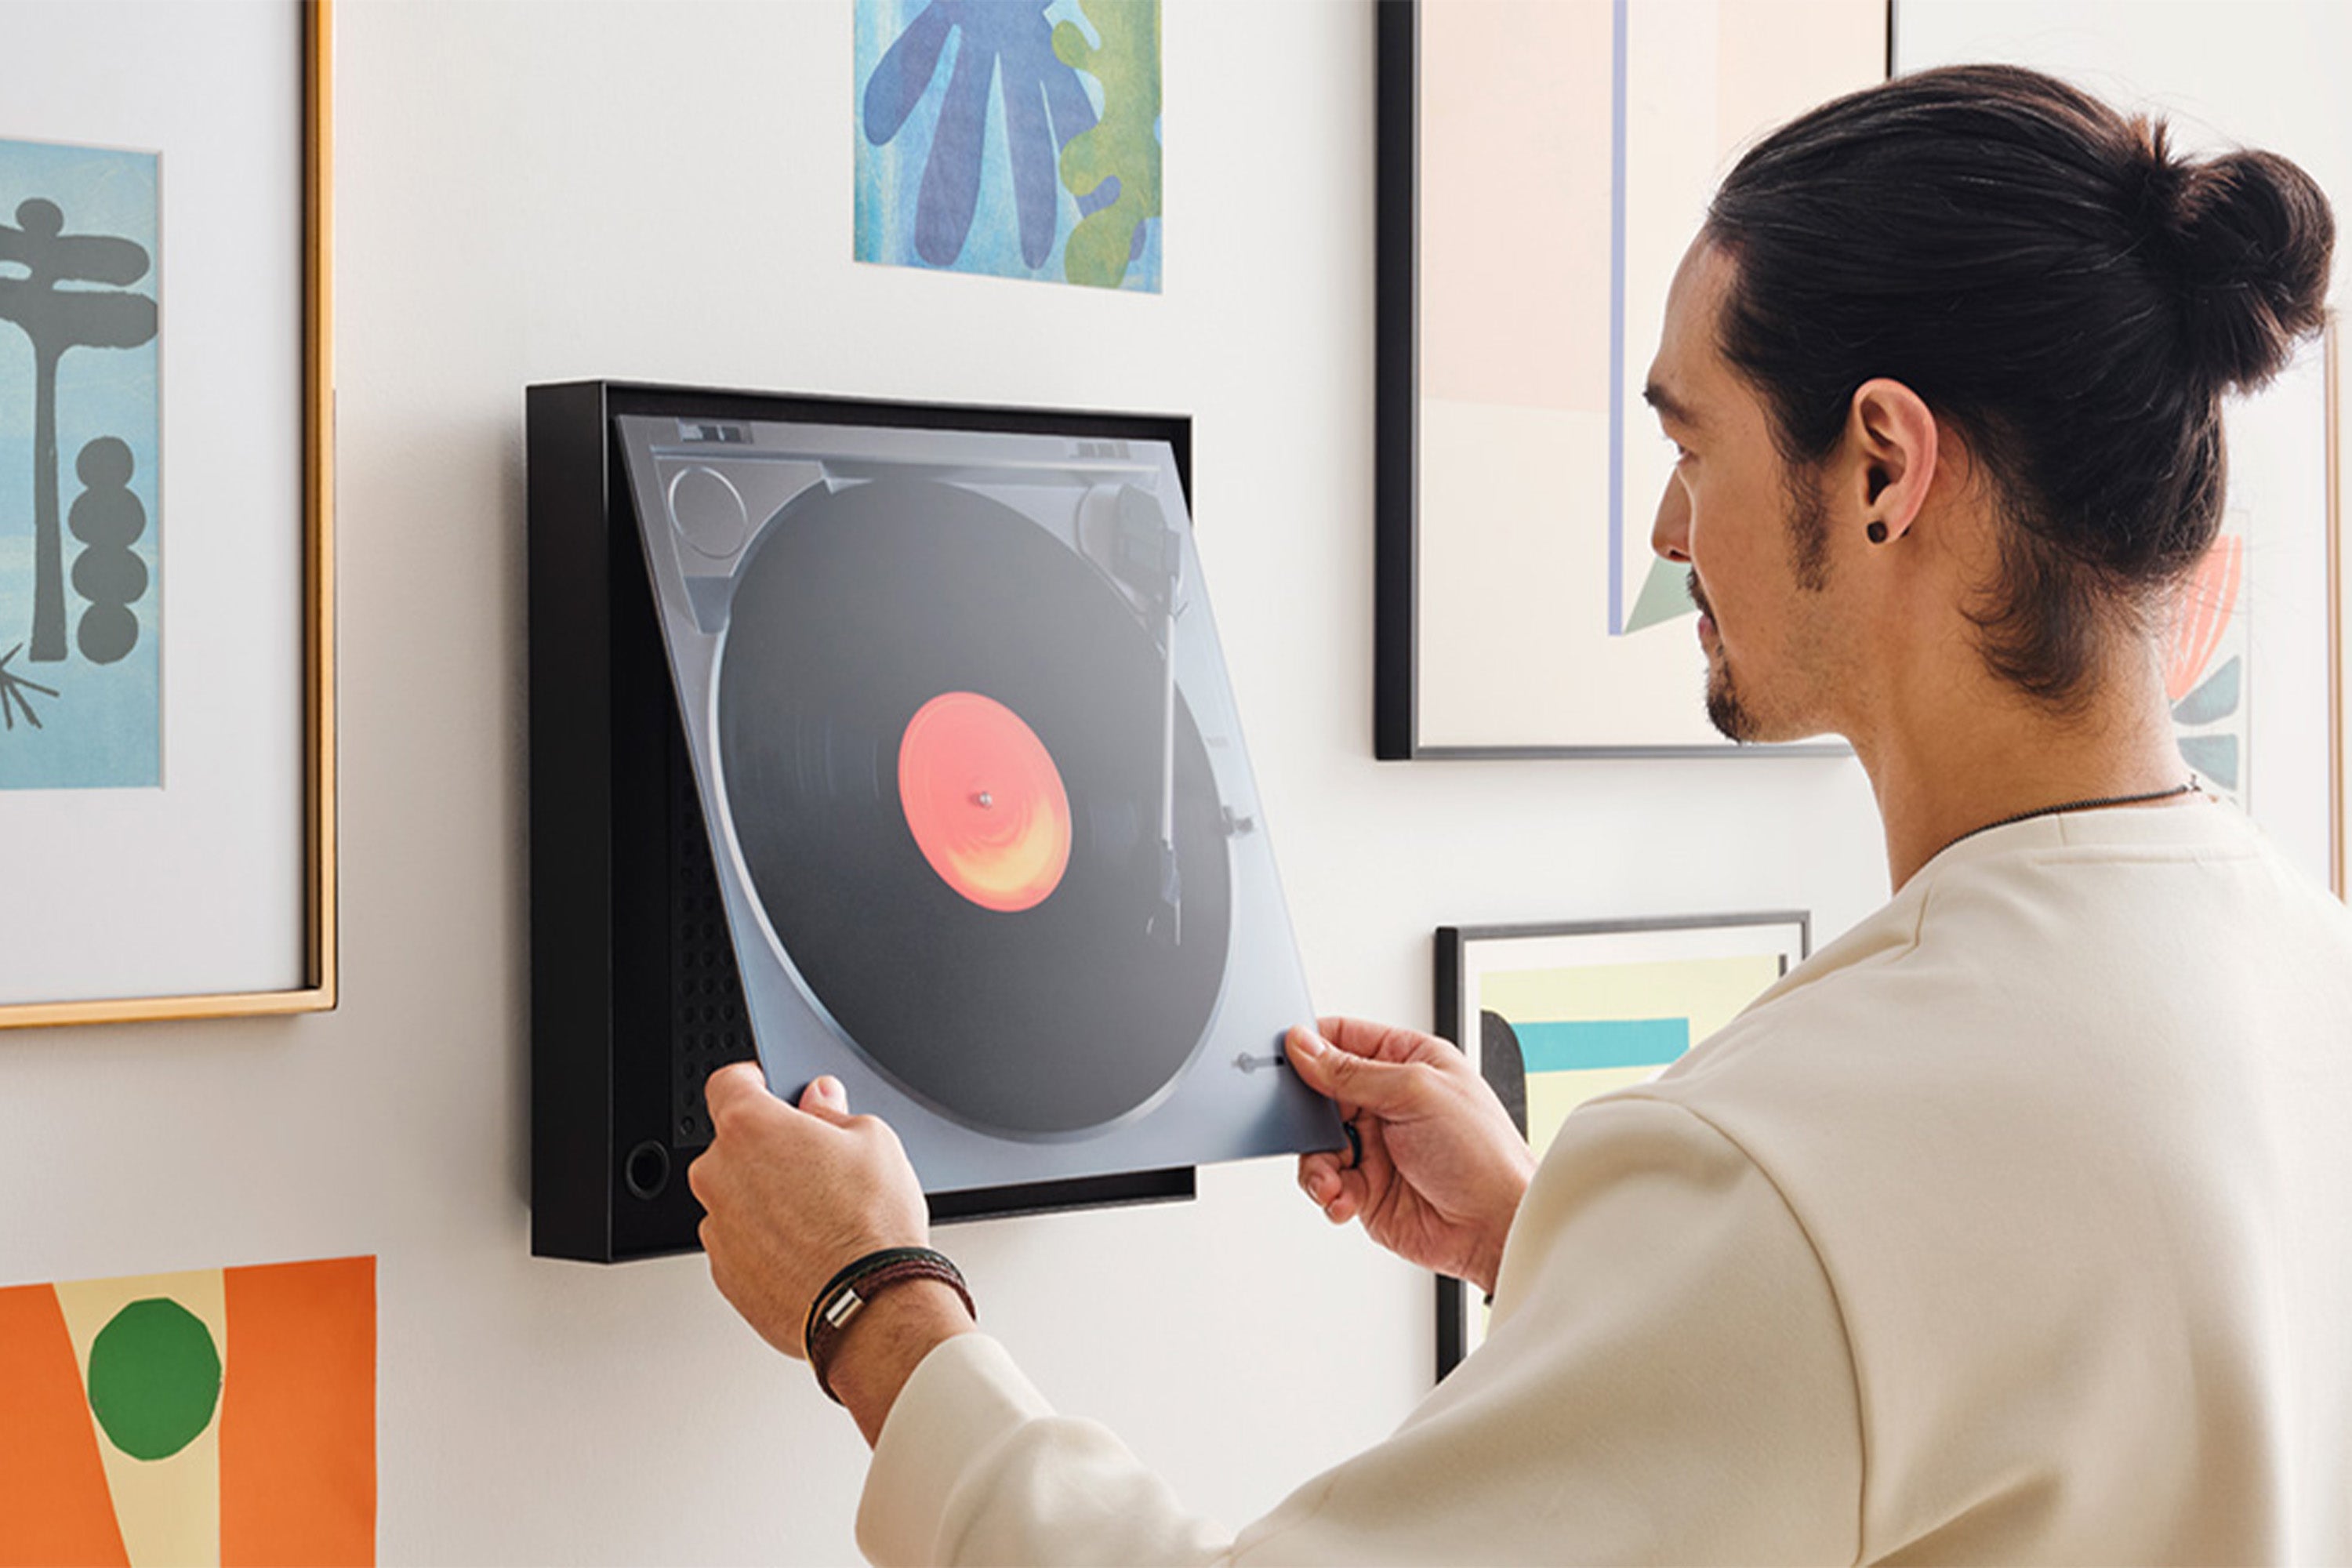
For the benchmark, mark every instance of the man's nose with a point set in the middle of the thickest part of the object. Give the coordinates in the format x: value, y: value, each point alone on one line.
x: 1669, y: 535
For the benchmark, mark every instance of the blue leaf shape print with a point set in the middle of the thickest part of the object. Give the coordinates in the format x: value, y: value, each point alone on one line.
x: 2215, y: 757
x: 1001, y: 44
x: 2215, y: 699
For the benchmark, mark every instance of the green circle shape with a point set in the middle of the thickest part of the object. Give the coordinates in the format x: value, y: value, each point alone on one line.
x: 154, y: 1378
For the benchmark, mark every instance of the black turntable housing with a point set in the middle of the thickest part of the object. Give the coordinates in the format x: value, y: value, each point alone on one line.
x: 635, y: 993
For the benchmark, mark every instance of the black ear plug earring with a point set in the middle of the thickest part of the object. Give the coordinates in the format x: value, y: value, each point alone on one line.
x: 1877, y: 531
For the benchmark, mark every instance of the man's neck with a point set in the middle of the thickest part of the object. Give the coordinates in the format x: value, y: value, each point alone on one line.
x: 1995, y: 754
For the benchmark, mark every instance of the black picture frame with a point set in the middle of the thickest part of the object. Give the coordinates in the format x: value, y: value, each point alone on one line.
x: 1399, y: 543
x: 1457, y: 951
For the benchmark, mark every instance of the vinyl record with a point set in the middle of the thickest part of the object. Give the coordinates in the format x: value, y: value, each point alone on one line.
x: 941, y: 739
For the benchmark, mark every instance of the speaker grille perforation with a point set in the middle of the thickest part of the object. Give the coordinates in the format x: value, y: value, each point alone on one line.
x: 708, y: 1023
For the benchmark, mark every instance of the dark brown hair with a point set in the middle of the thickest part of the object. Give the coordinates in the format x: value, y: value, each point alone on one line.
x: 2059, y: 288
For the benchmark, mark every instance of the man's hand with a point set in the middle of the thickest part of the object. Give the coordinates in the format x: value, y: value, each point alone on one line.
x: 793, y: 1196
x: 1442, y: 1169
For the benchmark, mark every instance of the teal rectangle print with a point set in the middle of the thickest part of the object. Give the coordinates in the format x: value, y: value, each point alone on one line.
x: 1019, y: 138
x: 80, y: 590
x: 1587, y: 1043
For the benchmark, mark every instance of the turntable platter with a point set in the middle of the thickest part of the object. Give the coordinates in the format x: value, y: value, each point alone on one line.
x: 940, y: 737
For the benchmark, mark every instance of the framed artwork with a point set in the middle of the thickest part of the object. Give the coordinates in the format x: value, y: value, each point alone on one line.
x: 1552, y: 1016
x: 1519, y: 611
x: 220, y: 1416
x: 2252, y: 655
x: 167, y: 788
x: 1021, y: 141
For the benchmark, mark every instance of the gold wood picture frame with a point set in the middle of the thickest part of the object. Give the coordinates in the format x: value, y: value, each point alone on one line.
x: 205, y: 886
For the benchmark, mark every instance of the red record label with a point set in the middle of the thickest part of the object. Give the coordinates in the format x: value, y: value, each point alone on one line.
x: 984, y: 802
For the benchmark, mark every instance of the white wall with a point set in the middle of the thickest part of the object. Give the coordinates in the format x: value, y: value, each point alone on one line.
x: 530, y: 192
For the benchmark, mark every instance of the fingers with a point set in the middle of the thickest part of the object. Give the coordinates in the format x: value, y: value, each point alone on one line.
x: 1318, y: 1176
x: 1349, y: 1183
x: 1324, y: 1180
x: 734, y: 1087
x: 1338, y: 1190
x: 740, y: 1087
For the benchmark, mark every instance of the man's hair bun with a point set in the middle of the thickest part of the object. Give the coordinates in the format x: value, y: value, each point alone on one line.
x: 2249, y: 236
x: 2069, y: 296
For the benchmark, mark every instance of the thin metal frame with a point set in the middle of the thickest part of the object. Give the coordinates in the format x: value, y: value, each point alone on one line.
x: 318, y: 991
x: 1396, y: 361
x: 1452, y: 951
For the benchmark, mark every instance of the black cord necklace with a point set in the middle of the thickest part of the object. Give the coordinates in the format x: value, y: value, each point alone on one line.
x: 2153, y: 794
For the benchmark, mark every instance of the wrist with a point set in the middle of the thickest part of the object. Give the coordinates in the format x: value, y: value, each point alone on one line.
x: 1482, y: 1270
x: 880, y: 1351
x: 1488, y: 1264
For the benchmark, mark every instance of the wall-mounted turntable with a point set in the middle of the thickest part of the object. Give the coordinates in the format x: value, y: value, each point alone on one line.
x: 897, y: 738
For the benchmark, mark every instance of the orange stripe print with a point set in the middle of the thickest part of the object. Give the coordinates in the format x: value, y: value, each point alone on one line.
x: 2206, y: 603
x: 54, y: 1504
x: 298, y: 1415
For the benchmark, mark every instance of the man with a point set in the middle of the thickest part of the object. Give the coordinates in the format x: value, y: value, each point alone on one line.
x: 2009, y: 1226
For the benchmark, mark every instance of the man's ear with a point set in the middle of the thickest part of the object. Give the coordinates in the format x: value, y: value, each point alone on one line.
x: 1891, y: 444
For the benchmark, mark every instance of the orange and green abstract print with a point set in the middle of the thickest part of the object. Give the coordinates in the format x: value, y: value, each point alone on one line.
x: 224, y: 1416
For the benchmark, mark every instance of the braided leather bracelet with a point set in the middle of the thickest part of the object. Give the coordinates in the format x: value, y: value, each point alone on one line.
x: 847, y: 1293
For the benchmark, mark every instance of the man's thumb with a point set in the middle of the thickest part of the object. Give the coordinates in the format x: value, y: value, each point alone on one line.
x: 1342, y: 1075
x: 826, y: 1097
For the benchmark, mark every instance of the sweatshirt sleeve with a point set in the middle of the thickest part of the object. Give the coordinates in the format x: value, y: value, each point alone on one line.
x: 1665, y: 1378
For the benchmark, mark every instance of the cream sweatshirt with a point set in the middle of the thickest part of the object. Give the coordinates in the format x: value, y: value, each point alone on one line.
x: 2014, y: 1226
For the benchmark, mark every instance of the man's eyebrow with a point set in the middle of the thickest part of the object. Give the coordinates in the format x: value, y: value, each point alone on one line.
x: 1666, y: 404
